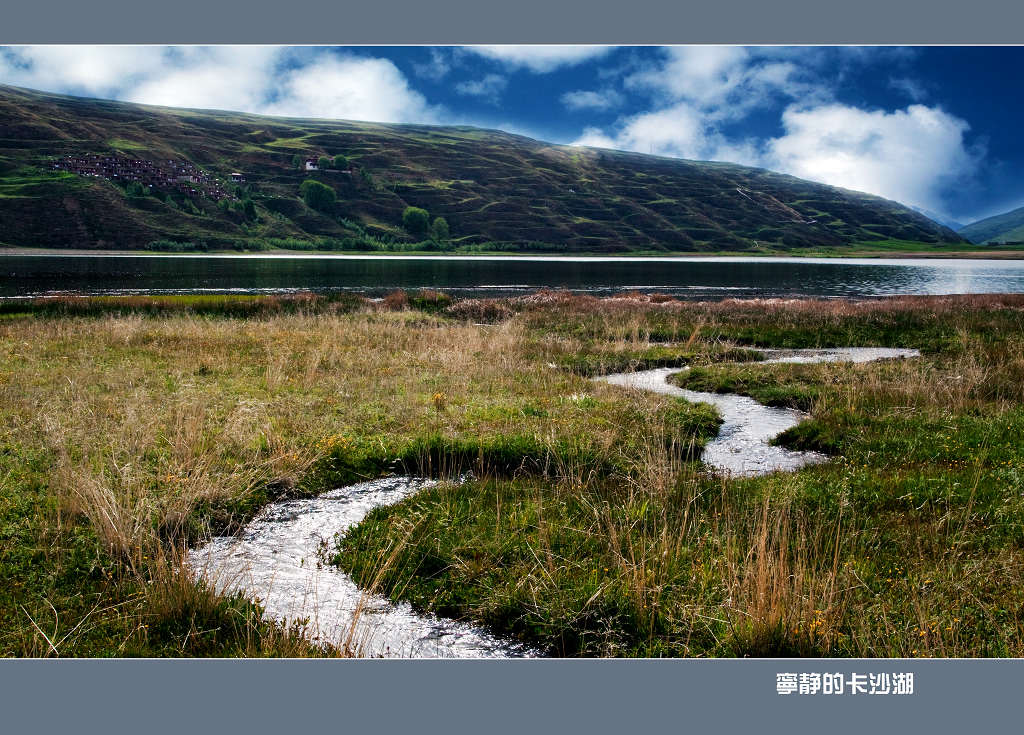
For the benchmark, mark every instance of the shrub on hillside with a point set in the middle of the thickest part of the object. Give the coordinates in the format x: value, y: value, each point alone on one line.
x: 317, y: 195
x: 416, y: 221
x: 439, y: 230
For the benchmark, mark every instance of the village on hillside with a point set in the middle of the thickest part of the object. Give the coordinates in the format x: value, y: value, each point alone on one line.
x: 183, y: 177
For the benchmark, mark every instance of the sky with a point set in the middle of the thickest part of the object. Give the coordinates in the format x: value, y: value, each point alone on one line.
x: 934, y: 127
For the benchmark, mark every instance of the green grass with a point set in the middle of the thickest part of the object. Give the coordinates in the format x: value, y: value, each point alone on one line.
x: 121, y: 144
x: 901, y: 546
x: 1006, y: 227
x: 136, y: 427
x: 760, y: 382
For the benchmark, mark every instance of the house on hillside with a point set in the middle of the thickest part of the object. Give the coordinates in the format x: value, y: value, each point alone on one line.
x: 238, y: 178
x: 312, y: 165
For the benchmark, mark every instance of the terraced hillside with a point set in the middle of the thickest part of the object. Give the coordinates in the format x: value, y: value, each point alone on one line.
x: 496, y: 190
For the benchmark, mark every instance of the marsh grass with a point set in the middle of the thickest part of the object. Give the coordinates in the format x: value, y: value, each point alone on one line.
x: 128, y: 433
x: 904, y: 545
x: 133, y: 430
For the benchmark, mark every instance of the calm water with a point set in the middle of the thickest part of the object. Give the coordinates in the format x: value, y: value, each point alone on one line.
x: 35, y: 275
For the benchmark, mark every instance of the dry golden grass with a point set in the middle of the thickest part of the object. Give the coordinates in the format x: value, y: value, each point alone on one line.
x: 145, y: 420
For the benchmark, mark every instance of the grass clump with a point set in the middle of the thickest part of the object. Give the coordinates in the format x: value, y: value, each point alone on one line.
x: 789, y: 387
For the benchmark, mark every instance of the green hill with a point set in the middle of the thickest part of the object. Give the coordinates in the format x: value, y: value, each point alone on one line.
x: 497, y: 191
x: 1003, y: 228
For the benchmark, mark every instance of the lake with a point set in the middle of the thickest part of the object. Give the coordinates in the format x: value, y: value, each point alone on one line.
x: 685, y: 277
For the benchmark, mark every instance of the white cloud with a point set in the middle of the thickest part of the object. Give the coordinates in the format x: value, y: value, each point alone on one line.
x: 353, y: 88
x: 676, y: 131
x: 680, y: 131
x: 220, y: 77
x: 698, y: 93
x: 908, y: 155
x: 540, y: 59
x: 910, y: 87
x: 274, y: 80
x: 93, y: 69
x: 489, y: 87
x: 724, y: 81
x: 580, y: 99
x: 436, y: 68
x: 700, y: 73
x: 695, y: 91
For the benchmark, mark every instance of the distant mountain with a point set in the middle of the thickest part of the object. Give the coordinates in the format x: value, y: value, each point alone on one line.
x: 1006, y: 227
x: 86, y: 173
x: 946, y: 221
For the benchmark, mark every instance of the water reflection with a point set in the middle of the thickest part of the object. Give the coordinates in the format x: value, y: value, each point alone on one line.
x: 698, y: 278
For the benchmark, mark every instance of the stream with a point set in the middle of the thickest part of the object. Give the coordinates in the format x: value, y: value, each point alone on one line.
x: 742, y: 446
x: 279, y: 558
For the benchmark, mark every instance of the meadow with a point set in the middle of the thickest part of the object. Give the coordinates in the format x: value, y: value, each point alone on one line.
x: 134, y: 428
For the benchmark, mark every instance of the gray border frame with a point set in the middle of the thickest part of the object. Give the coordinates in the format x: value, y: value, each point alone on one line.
x: 521, y: 696
x: 443, y: 22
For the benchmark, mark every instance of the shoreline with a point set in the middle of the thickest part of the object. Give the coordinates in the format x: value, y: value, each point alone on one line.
x: 873, y: 255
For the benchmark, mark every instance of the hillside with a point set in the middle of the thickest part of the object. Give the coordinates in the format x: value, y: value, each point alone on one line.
x: 1003, y: 228
x: 496, y: 190
x: 941, y: 219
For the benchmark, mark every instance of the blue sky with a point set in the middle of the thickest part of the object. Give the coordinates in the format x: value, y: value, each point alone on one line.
x: 934, y: 127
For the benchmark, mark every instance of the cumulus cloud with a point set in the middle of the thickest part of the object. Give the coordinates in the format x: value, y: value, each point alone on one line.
x: 540, y: 59
x: 724, y: 81
x: 581, y: 99
x: 680, y: 131
x: 695, y: 91
x: 676, y: 131
x: 352, y: 88
x: 100, y: 70
x: 221, y: 77
x: 694, y: 72
x: 271, y: 80
x: 908, y: 155
x: 698, y: 94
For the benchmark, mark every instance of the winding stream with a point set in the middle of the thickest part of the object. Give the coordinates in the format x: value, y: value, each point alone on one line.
x: 278, y: 558
x: 741, y: 447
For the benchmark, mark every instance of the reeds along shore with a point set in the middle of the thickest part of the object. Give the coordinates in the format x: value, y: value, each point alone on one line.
x: 135, y: 427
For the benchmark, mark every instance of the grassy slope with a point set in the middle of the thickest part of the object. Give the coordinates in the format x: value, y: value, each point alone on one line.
x: 1007, y: 227
x: 492, y: 187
